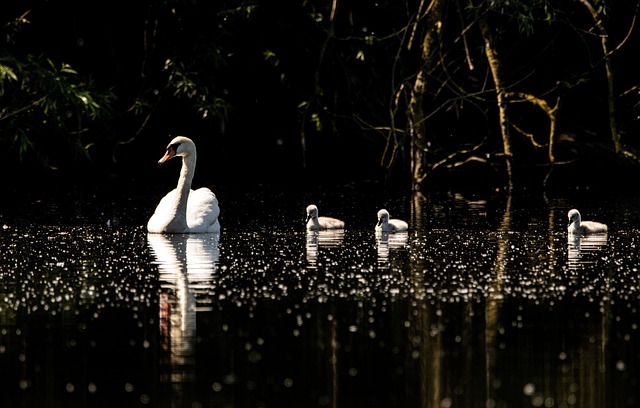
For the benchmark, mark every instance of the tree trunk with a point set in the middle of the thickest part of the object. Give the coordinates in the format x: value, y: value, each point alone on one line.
x: 417, y: 129
x: 615, y: 135
x: 496, y: 72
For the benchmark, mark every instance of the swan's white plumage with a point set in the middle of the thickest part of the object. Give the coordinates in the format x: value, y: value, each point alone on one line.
x: 201, y: 215
x: 184, y: 210
x: 579, y: 227
x: 387, y: 224
x: 315, y: 223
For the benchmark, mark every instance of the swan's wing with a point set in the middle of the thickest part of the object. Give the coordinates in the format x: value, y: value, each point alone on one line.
x: 159, y: 219
x: 166, y: 203
x: 203, y: 211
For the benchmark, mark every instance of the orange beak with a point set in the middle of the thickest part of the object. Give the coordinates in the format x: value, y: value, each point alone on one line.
x: 171, y: 152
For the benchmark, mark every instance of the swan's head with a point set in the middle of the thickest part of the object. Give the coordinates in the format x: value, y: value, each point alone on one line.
x: 312, y: 212
x: 383, y: 217
x: 574, y: 216
x: 179, y: 146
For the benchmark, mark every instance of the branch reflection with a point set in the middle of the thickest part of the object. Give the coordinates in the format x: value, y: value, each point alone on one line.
x: 187, y: 263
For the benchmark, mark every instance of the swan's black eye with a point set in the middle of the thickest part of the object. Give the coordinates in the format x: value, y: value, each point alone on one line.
x: 172, y: 149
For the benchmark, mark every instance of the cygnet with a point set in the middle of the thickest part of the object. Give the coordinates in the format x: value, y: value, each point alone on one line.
x: 315, y: 223
x: 577, y: 226
x: 387, y: 224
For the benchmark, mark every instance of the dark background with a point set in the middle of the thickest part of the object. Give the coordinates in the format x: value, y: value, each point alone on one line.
x: 122, y: 47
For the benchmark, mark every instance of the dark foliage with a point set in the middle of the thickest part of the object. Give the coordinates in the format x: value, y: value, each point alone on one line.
x: 297, y: 91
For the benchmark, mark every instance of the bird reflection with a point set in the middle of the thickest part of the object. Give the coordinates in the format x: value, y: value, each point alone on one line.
x: 387, y: 241
x: 581, y: 248
x: 318, y: 239
x: 186, y: 263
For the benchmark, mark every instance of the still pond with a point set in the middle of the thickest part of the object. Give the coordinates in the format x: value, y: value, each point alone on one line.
x: 485, y: 302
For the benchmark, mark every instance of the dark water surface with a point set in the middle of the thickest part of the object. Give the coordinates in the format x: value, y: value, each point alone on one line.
x: 485, y: 302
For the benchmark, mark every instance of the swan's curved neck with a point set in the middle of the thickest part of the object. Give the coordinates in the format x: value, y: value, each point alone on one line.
x: 184, y: 183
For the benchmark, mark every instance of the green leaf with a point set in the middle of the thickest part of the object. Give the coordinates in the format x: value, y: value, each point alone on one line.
x: 7, y: 72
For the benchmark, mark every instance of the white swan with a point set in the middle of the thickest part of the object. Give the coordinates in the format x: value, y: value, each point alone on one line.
x: 386, y: 224
x: 315, y: 223
x: 577, y: 226
x: 184, y: 210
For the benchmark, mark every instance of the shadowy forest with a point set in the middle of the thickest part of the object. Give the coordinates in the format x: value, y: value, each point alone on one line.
x: 416, y: 93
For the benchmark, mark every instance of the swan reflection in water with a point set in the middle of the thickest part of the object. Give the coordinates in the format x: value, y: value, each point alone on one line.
x: 387, y: 241
x: 582, y: 249
x: 187, y: 263
x: 319, y: 239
